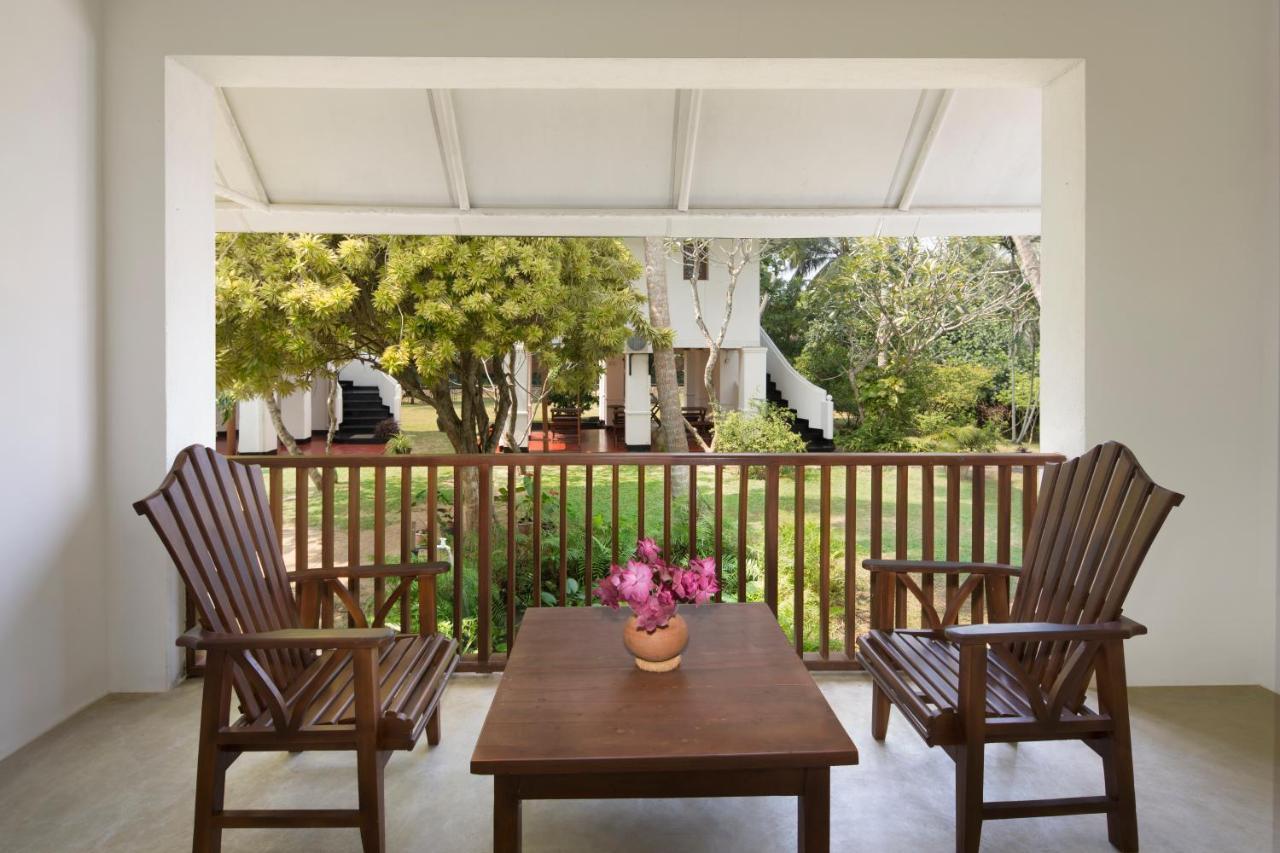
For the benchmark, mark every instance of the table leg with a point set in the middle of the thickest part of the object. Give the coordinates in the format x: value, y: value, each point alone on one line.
x: 814, y: 807
x: 506, y: 814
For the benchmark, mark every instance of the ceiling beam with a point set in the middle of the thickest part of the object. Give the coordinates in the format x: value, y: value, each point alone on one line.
x: 688, y: 117
x: 226, y: 193
x: 239, y: 149
x: 635, y: 222
x: 446, y: 124
x: 931, y: 110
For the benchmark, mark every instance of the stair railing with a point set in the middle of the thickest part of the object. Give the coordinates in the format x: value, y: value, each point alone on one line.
x: 809, y: 401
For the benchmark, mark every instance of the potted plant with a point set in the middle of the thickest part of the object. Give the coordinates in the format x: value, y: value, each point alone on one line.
x: 656, y: 635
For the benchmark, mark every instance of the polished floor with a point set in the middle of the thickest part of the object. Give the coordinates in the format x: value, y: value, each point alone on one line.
x: 119, y: 776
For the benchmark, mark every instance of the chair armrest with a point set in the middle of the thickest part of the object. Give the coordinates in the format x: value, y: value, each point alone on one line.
x: 1022, y: 632
x: 394, y: 570
x: 940, y: 567
x: 289, y: 638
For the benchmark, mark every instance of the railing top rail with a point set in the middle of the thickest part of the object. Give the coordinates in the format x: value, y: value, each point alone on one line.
x: 504, y: 460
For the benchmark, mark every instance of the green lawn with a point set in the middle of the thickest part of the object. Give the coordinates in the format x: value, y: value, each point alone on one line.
x: 419, y: 423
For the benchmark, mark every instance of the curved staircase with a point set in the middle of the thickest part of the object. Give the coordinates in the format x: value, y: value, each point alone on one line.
x: 814, y: 440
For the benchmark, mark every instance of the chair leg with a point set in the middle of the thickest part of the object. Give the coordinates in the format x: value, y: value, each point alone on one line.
x: 969, y: 766
x: 369, y: 769
x: 433, y: 727
x: 1117, y: 755
x: 211, y: 762
x: 879, y: 712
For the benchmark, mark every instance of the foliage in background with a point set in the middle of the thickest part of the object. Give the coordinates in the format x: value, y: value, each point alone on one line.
x: 767, y: 429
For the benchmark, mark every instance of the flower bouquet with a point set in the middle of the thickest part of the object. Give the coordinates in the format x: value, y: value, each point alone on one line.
x: 653, y: 589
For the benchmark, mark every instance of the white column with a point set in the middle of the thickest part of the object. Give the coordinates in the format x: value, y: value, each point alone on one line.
x: 695, y: 362
x: 159, y: 333
x: 636, y: 402
x: 751, y: 376
x: 295, y: 411
x: 727, y: 382
x: 1062, y: 301
x: 255, y: 432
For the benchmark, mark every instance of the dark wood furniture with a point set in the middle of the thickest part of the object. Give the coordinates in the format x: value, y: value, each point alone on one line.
x: 574, y: 719
x: 365, y: 688
x: 1024, y: 676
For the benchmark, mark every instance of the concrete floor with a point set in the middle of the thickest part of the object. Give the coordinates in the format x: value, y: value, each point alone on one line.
x: 119, y: 776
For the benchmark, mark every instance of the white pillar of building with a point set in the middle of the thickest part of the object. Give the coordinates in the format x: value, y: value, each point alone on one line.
x: 727, y: 381
x: 519, y: 366
x: 636, y: 404
x: 295, y: 411
x: 695, y: 362
x: 751, y: 377
x: 254, y: 431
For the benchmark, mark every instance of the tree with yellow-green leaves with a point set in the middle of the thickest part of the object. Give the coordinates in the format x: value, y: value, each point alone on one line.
x: 283, y: 307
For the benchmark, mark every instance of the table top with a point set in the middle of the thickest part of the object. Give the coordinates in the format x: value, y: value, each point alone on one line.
x: 571, y: 699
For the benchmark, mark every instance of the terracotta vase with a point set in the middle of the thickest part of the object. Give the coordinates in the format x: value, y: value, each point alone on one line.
x: 658, y: 651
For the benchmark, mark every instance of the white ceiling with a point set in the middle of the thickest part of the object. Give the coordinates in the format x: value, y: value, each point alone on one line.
x: 603, y: 161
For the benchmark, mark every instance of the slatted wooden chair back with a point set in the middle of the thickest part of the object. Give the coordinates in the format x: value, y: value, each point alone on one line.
x: 1096, y: 517
x: 214, y: 518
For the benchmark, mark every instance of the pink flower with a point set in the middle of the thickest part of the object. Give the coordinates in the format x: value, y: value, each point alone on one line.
x: 647, y: 551
x: 705, y: 566
x: 607, y: 590
x: 655, y: 612
x: 635, y: 583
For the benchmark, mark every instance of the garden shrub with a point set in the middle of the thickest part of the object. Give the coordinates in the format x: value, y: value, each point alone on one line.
x: 385, y: 429
x: 399, y: 445
x: 765, y: 430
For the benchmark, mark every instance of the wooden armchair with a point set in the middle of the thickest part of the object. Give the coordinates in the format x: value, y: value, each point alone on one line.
x: 366, y: 689
x: 1024, y: 676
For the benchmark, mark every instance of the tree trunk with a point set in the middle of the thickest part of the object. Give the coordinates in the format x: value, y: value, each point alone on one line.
x: 664, y: 358
x: 331, y: 406
x: 277, y: 420
x: 1028, y: 263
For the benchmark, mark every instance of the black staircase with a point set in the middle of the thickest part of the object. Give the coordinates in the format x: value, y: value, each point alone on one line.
x: 362, y: 411
x: 814, y: 441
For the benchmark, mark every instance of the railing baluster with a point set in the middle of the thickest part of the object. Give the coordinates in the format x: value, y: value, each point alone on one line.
x: 308, y: 599
x: 926, y: 535
x: 406, y: 539
x: 613, y: 518
x: 511, y: 556
x: 798, y: 564
x: 666, y: 511
x: 719, y: 534
x: 276, y: 479
x: 850, y: 559
x: 771, y: 537
x: 537, y: 535
x: 379, y: 533
x: 1029, y: 495
x: 459, y: 521
x: 1004, y: 521
x: 744, y: 493
x: 428, y: 618
x: 978, y: 544
x: 564, y: 535
x: 588, y: 546
x: 353, y: 533
x: 327, y: 528
x: 953, y: 528
x: 824, y: 576
x: 900, y: 543
x: 876, y: 521
x: 484, y: 567
x: 693, y: 511
x: 639, y: 502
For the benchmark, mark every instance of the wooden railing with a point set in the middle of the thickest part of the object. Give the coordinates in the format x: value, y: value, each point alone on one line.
x: 791, y: 530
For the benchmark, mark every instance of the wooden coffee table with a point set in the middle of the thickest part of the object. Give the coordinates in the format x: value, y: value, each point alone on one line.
x: 574, y: 719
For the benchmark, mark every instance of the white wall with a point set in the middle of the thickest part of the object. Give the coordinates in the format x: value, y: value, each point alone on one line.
x: 52, y: 619
x: 744, y: 322
x: 1178, y: 245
